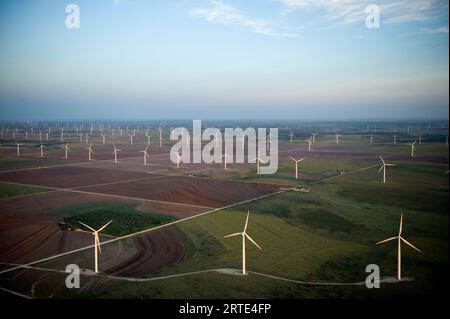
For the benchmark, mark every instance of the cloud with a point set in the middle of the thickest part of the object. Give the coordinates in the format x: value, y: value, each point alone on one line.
x: 220, y: 12
x: 351, y: 11
x: 443, y: 29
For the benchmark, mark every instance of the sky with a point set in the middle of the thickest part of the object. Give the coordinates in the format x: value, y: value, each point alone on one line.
x: 211, y: 59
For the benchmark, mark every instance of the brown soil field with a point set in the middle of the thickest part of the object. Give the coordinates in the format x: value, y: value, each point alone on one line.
x: 68, y: 176
x: 28, y: 233
x: 153, y: 251
x: 188, y: 190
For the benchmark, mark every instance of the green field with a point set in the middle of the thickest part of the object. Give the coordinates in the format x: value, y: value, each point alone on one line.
x: 126, y: 218
x: 326, y: 235
x: 11, y: 190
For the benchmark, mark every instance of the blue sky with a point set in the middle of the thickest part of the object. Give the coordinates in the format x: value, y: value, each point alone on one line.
x: 305, y: 59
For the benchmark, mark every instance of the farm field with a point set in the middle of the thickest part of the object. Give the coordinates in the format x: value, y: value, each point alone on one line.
x: 167, y: 235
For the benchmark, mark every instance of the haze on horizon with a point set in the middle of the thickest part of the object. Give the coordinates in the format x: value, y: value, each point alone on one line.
x: 224, y: 59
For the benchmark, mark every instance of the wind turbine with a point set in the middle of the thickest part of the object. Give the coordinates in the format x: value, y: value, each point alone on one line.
x: 420, y: 139
x: 18, y: 149
x: 309, y: 144
x: 296, y: 165
x: 314, y: 137
x: 104, y: 139
x: 258, y: 163
x: 42, y: 147
x: 244, y: 237
x: 413, y: 148
x: 160, y: 137
x: 145, y: 155
x: 383, y: 168
x: 178, y: 158
x: 115, y: 153
x: 225, y: 156
x: 291, y: 136
x: 90, y: 151
x: 131, y: 139
x: 97, y: 248
x: 337, y: 138
x: 66, y: 150
x: 371, y: 139
x: 395, y: 139
x: 399, y: 252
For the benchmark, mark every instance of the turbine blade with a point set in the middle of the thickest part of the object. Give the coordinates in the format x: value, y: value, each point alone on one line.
x: 232, y: 235
x: 97, y: 242
x: 381, y: 168
x: 246, y: 221
x: 87, y: 226
x: 104, y: 226
x: 386, y: 240
x: 408, y: 243
x: 292, y: 159
x: 249, y: 238
x: 381, y: 158
x: 401, y: 225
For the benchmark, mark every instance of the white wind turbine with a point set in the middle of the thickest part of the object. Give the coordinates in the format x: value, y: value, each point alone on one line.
x: 97, y: 248
x: 395, y: 139
x: 160, y: 137
x: 146, y: 155
x: 115, y: 153
x: 371, y: 139
x: 66, y: 150
x: 309, y: 144
x: 258, y: 163
x: 178, y: 158
x: 225, y: 156
x: 413, y: 148
x: 291, y: 136
x: 244, y: 237
x: 104, y: 139
x: 296, y: 165
x: 314, y: 137
x: 42, y: 147
x: 18, y: 149
x: 90, y: 151
x: 337, y: 138
x: 399, y: 249
x: 383, y: 168
x: 131, y: 139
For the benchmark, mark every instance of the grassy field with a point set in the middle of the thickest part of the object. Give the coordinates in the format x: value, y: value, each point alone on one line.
x: 11, y: 190
x: 326, y: 235
x: 126, y: 218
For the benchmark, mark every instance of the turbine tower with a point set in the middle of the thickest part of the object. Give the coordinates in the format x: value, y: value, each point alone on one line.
x: 115, y: 153
x: 244, y: 237
x: 97, y: 248
x: 383, y: 168
x: 400, y: 239
x: 296, y: 165
x: 146, y: 155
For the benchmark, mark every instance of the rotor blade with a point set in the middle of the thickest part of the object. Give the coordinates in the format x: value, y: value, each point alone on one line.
x: 381, y: 158
x: 246, y: 221
x: 104, y: 226
x: 292, y: 159
x: 97, y: 241
x: 381, y: 168
x: 249, y: 238
x: 302, y: 159
x: 401, y: 225
x: 408, y: 243
x: 87, y: 226
x: 232, y: 235
x: 386, y: 240
x: 391, y: 165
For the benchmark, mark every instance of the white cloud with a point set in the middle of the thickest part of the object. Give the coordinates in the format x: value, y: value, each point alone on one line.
x: 225, y: 14
x: 392, y: 11
x: 443, y: 29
